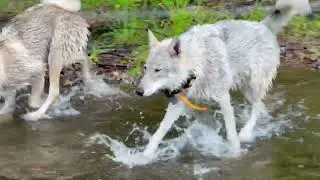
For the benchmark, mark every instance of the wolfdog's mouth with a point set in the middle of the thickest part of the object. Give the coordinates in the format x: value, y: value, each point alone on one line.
x: 186, y: 84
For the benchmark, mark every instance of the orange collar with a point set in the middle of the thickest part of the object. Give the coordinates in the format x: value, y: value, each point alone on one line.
x: 190, y: 104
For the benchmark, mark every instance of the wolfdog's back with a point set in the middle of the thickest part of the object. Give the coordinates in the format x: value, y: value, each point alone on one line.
x: 26, y: 41
x: 250, y: 45
x: 44, y: 27
x: 251, y: 48
x: 253, y: 53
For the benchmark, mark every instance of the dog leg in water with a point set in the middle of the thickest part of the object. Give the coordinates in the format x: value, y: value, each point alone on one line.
x: 9, y: 103
x: 174, y: 110
x: 230, y: 123
x: 36, y: 91
x: 245, y: 134
x: 55, y: 67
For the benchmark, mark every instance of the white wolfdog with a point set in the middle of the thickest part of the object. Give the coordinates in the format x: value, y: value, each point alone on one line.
x: 207, y: 61
x: 51, y: 32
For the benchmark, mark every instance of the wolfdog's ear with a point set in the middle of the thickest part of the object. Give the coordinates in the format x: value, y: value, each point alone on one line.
x: 174, y: 47
x: 153, y: 41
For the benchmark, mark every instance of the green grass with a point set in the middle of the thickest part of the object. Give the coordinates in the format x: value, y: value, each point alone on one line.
x: 303, y: 26
x: 15, y: 6
x: 256, y: 14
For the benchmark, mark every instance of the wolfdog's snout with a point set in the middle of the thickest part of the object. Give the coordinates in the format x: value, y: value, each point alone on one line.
x: 139, y: 91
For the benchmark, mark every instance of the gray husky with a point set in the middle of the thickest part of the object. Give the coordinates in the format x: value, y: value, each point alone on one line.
x: 208, y: 61
x: 51, y: 33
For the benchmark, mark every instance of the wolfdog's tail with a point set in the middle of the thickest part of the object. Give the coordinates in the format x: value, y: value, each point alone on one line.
x: 69, y: 5
x: 283, y: 11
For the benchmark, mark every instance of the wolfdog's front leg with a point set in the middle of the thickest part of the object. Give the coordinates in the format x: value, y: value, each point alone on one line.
x: 174, y: 110
x: 228, y: 114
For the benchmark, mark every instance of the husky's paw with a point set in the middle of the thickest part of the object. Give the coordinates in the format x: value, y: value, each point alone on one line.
x: 35, y: 116
x: 246, y: 136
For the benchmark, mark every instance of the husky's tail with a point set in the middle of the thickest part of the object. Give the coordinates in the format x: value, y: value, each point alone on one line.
x: 283, y: 11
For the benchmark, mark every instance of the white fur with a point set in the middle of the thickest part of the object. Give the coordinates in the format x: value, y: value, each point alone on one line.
x: 154, y: 87
x: 288, y: 9
x: 58, y: 39
x: 69, y: 5
x: 239, y: 55
x: 174, y: 110
x: 301, y: 7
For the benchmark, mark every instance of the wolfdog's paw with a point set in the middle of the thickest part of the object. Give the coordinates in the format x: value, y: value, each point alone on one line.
x: 234, y: 153
x: 246, y: 136
x: 35, y: 116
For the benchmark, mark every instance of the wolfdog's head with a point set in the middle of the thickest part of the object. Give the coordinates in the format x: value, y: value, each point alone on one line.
x: 164, y: 69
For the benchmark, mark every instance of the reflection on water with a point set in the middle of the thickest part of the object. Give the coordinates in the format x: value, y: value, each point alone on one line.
x: 96, y: 143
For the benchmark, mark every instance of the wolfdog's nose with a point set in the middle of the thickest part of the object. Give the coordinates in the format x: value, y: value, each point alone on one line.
x: 139, y: 91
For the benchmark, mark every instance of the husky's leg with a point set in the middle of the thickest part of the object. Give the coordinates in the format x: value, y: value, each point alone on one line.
x: 36, y: 91
x: 174, y: 110
x: 55, y: 66
x: 230, y: 123
x: 9, y: 103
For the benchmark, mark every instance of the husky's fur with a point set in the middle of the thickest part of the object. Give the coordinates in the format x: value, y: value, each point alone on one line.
x: 52, y: 33
x: 236, y: 54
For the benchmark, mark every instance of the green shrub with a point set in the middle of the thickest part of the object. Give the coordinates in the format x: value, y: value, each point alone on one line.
x: 303, y: 26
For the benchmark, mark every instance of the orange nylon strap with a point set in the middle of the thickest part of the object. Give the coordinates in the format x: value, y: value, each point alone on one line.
x: 190, y: 104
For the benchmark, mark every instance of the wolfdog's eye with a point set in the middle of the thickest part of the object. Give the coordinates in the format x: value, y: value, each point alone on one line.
x: 145, y: 67
x: 157, y: 70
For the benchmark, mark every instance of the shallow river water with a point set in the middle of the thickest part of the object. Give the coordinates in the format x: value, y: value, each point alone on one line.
x: 93, y: 144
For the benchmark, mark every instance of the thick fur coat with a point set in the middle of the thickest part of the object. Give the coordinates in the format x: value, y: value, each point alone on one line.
x: 52, y: 33
x: 235, y: 54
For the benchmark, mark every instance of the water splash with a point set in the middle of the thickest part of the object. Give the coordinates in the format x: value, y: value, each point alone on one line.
x: 199, y: 170
x: 63, y: 106
x: 200, y: 135
x: 121, y: 153
x: 95, y: 86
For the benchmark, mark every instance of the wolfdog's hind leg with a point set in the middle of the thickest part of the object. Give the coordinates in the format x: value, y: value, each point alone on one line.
x: 55, y: 67
x: 9, y: 103
x: 86, y: 70
x: 36, y: 91
x: 254, y: 93
x: 230, y: 123
x: 246, y: 133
